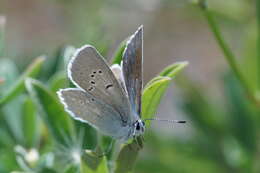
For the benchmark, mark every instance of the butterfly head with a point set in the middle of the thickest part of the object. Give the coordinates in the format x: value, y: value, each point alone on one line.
x: 139, y: 127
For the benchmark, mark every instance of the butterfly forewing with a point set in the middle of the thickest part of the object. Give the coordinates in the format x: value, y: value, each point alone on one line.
x: 84, y: 107
x: 132, y: 69
x: 89, y: 71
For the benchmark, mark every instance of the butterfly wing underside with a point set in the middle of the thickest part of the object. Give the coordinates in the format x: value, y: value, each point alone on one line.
x: 89, y: 71
x: 86, y: 108
x: 133, y: 69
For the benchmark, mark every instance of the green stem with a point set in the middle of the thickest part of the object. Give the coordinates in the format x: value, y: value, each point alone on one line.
x: 229, y: 56
x: 258, y: 42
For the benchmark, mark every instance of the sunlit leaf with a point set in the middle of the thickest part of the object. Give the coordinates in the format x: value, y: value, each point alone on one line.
x: 173, y: 69
x: 152, y: 95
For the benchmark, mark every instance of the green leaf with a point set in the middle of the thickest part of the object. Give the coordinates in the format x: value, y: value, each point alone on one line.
x: 119, y: 53
x: 155, y: 79
x: 53, y: 113
x: 47, y: 170
x: 19, y: 87
x: 6, y: 140
x: 58, y: 81
x: 58, y: 62
x: 127, y: 157
x: 46, y: 160
x: 72, y: 169
x: 67, y: 54
x: 173, y: 69
x: 92, y: 162
x: 30, y: 124
x: 8, y: 74
x: 155, y: 89
x: 10, y: 113
x: 151, y: 97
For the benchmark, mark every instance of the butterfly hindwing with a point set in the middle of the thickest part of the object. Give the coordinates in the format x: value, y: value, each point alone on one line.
x: 98, y: 114
x: 133, y: 69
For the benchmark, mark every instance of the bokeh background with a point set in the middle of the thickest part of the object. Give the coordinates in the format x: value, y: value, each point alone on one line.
x: 221, y: 134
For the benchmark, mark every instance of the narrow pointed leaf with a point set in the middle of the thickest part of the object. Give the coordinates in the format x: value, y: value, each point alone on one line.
x: 8, y: 74
x: 30, y: 124
x: 10, y: 114
x: 58, y: 81
x: 155, y: 89
x: 119, y: 53
x: 151, y: 97
x: 173, y: 69
x: 58, y: 62
x: 53, y: 113
x: 19, y: 87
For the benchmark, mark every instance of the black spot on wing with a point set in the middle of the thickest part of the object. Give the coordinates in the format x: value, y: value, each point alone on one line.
x: 109, y: 86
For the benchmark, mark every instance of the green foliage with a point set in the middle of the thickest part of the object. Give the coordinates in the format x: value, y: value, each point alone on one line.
x: 56, y: 119
x: 119, y: 52
x: 18, y: 87
x: 155, y: 89
x: 45, y: 138
x: 30, y: 123
x: 38, y: 135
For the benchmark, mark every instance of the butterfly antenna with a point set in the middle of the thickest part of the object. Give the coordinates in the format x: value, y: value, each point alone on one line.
x: 170, y: 121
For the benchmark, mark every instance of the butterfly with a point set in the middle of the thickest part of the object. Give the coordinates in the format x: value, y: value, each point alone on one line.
x: 107, y: 98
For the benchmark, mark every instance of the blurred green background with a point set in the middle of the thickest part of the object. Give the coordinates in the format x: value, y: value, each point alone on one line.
x: 222, y: 108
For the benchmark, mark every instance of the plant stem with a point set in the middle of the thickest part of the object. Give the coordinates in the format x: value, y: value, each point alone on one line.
x: 229, y: 56
x: 258, y: 43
